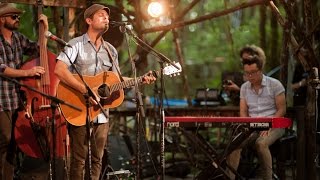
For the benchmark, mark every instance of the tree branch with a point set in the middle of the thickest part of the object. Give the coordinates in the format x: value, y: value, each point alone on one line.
x: 205, y: 17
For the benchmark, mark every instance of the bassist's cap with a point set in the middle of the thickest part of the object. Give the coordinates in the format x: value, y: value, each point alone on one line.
x: 93, y: 9
x: 8, y: 8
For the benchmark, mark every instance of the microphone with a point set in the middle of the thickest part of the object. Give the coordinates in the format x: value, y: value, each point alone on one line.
x: 49, y: 35
x: 315, y: 81
x: 121, y: 23
x: 315, y: 72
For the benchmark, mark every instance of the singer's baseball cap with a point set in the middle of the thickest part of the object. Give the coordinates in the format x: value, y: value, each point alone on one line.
x: 93, y: 9
x: 8, y: 8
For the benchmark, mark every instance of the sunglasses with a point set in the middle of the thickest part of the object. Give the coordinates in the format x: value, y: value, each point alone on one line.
x: 14, y: 17
x: 251, y: 74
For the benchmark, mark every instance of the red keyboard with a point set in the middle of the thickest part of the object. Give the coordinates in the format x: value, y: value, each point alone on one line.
x: 251, y: 122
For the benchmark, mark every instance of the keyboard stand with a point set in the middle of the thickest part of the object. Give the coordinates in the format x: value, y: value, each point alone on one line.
x: 210, y: 152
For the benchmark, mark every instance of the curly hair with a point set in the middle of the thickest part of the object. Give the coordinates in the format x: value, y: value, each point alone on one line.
x: 254, y: 50
x: 253, y: 60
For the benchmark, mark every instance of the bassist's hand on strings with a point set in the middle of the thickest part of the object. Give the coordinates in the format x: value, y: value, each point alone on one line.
x: 35, y: 71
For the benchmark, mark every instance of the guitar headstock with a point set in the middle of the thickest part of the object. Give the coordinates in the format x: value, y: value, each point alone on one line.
x: 171, y: 70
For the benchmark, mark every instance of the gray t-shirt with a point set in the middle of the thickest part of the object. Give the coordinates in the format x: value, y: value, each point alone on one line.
x: 262, y: 104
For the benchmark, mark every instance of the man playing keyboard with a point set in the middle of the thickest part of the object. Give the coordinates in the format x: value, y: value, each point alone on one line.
x: 260, y: 96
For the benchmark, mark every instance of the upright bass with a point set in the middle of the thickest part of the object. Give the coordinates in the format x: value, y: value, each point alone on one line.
x: 40, y: 131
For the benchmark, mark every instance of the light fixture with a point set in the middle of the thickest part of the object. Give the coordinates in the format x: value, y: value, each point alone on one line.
x: 155, y: 9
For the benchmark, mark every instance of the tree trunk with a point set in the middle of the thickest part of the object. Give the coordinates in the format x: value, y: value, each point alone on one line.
x: 262, y: 27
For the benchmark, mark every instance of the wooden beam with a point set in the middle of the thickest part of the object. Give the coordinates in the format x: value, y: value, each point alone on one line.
x: 293, y: 40
x: 60, y: 3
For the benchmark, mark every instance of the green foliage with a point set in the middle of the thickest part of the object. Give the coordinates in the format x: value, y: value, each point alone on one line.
x: 209, y: 48
x: 212, y: 47
x: 27, y: 23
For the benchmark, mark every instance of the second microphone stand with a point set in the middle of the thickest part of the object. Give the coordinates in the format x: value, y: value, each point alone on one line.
x: 316, y: 86
x: 140, y: 113
x: 162, y: 59
x: 54, y: 102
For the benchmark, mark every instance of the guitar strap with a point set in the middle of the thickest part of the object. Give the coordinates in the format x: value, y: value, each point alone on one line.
x: 106, y: 47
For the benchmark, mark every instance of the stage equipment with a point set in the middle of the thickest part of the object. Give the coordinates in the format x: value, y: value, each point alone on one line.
x: 155, y: 9
x: 140, y: 111
x: 49, y: 35
x: 117, y: 159
x: 207, y: 97
x: 315, y: 83
x: 256, y: 123
x: 245, y: 126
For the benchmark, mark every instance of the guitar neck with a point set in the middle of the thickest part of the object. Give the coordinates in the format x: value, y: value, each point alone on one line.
x: 169, y: 70
x: 129, y: 83
x: 125, y: 84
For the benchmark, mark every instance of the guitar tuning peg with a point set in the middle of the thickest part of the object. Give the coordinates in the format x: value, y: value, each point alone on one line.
x: 178, y: 74
x: 167, y: 64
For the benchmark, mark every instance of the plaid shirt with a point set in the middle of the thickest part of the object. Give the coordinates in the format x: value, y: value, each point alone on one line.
x: 12, y: 56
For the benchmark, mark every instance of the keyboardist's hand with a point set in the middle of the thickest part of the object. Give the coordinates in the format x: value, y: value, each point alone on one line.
x: 264, y: 133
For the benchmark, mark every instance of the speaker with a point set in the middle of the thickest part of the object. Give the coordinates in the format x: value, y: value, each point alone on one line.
x: 117, y: 153
x: 38, y: 169
x: 207, y: 96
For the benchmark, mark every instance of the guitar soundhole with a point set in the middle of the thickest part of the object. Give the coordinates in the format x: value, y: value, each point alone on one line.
x: 103, y: 91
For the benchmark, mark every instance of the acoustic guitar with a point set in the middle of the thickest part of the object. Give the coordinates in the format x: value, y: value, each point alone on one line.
x: 107, y: 86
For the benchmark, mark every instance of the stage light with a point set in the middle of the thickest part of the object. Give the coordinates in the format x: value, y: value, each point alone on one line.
x: 155, y: 9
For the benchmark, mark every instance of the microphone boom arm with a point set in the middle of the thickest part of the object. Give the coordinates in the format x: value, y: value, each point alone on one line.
x: 160, y: 55
x: 49, y: 35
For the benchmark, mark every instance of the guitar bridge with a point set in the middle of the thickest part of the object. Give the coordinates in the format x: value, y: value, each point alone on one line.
x: 45, y: 106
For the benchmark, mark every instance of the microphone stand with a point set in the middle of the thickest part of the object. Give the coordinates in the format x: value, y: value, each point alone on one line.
x: 162, y: 117
x: 54, y: 102
x: 52, y: 98
x: 140, y: 113
x: 161, y: 110
x: 53, y: 132
x: 89, y: 94
x: 316, y: 85
x: 162, y: 57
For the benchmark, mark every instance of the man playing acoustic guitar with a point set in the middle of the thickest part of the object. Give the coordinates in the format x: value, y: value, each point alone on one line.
x: 91, y: 56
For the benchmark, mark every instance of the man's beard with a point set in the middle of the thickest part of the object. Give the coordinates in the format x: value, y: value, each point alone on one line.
x: 12, y: 27
x: 106, y: 28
